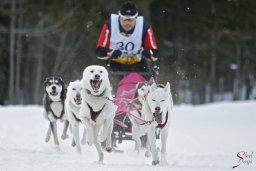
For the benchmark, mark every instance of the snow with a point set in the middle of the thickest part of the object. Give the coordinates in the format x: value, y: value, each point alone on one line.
x: 205, y: 137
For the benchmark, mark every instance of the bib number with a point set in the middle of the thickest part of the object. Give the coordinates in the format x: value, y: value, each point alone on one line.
x: 127, y: 47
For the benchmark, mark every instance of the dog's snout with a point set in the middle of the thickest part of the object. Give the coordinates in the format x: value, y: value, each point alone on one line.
x: 157, y: 109
x: 97, y: 76
x: 78, y: 96
x: 53, y: 88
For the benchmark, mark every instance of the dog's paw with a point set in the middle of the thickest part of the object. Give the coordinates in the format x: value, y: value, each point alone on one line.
x: 83, y: 141
x: 73, y: 143
x: 79, y: 150
x: 147, y: 154
x: 89, y: 143
x: 57, y: 147
x: 47, y: 138
x: 64, y: 136
x: 109, y: 149
x: 156, y: 162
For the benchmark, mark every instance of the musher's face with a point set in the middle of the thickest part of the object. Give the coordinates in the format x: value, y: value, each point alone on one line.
x: 127, y: 23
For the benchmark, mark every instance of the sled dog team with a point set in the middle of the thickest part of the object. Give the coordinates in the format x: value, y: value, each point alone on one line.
x: 89, y: 102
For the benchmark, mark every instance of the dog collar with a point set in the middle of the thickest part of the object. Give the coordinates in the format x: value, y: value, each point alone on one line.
x: 90, y: 93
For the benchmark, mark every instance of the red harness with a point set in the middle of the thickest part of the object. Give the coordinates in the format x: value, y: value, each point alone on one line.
x: 94, y: 114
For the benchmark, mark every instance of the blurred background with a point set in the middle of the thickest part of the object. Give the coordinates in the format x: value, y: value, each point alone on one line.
x: 207, y: 47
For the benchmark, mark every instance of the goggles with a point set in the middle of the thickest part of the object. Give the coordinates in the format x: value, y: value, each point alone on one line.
x: 126, y: 17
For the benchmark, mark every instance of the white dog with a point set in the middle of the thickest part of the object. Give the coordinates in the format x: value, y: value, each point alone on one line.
x: 72, y: 108
x: 142, y: 90
x: 98, y: 110
x: 157, y: 109
x: 54, y: 110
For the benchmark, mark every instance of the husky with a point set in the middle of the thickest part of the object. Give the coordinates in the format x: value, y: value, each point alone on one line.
x: 138, y: 133
x: 53, y: 101
x: 72, y: 108
x: 98, y: 110
x: 157, y: 109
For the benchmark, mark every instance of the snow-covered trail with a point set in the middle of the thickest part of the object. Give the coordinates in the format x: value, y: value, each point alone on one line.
x: 201, y: 138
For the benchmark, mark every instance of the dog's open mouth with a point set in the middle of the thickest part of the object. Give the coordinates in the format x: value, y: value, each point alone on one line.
x: 158, y: 117
x: 54, y: 93
x: 96, y: 85
x: 78, y: 101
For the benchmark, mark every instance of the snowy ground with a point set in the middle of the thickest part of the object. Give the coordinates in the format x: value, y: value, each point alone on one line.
x: 201, y: 138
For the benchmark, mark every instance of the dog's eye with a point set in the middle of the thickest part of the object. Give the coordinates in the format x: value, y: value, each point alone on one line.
x: 142, y: 89
x: 73, y: 89
x: 162, y: 100
x: 101, y: 71
x: 91, y: 71
x: 153, y: 100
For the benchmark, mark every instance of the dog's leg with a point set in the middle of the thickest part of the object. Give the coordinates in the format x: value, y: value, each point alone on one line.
x: 152, y: 141
x: 109, y: 137
x: 75, y: 129
x: 83, y: 141
x: 64, y: 133
x: 164, y: 135
x: 73, y: 142
x: 54, y: 132
x: 97, y: 144
x: 147, y: 153
x: 136, y: 137
x: 48, y: 134
x: 89, y: 130
x: 105, y: 130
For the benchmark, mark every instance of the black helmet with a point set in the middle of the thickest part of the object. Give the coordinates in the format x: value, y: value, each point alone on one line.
x: 128, y: 9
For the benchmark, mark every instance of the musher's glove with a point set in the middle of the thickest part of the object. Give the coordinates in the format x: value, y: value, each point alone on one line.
x: 116, y: 53
x: 146, y: 53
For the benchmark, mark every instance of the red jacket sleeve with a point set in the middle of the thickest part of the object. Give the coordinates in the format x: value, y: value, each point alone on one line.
x: 104, y: 39
x: 150, y: 41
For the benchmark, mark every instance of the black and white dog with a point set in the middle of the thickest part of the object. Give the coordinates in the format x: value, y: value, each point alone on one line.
x: 53, y: 101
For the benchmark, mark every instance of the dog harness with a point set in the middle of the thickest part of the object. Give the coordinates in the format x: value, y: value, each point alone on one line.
x: 62, y: 112
x: 94, y: 114
x: 132, y: 106
x: 78, y: 120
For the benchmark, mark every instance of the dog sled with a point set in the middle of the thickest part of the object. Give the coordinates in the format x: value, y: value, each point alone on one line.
x: 123, y: 97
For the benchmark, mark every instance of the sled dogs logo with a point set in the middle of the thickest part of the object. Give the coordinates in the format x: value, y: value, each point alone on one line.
x: 244, y: 158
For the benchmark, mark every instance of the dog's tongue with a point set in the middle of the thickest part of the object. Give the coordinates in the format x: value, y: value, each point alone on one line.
x: 158, y: 118
x: 96, y: 84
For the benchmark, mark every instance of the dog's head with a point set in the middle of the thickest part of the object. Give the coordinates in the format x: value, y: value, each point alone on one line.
x: 159, y: 100
x: 95, y: 79
x: 74, y: 93
x: 142, y: 89
x: 55, y: 88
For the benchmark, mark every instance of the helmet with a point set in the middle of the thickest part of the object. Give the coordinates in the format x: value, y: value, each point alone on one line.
x: 128, y: 10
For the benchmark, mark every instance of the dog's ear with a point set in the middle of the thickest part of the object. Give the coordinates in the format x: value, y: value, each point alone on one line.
x: 64, y: 89
x: 70, y: 83
x: 153, y: 87
x: 46, y: 80
x: 167, y: 88
x: 151, y: 81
